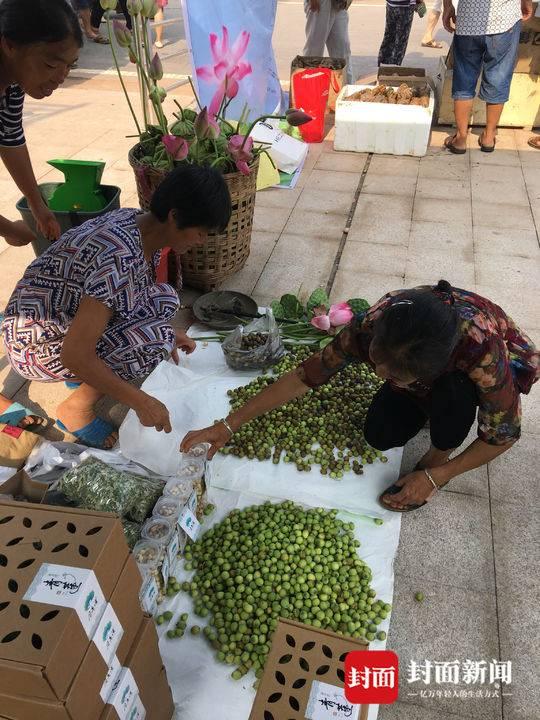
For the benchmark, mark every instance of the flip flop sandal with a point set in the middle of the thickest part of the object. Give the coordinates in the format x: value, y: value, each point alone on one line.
x: 100, y: 40
x: 433, y: 44
x: 394, y: 490
x: 534, y: 142
x: 94, y: 434
x: 17, y: 412
x: 72, y: 385
x: 486, y: 148
x: 449, y: 145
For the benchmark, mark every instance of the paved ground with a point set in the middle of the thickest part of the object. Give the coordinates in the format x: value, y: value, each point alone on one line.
x: 473, y: 220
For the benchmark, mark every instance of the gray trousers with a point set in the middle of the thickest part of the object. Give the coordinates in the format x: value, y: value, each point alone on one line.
x: 330, y: 28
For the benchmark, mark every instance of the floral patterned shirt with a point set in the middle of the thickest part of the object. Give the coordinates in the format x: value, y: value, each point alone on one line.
x: 495, y: 354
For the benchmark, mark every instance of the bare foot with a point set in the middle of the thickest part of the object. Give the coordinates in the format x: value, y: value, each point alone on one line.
x: 434, y: 458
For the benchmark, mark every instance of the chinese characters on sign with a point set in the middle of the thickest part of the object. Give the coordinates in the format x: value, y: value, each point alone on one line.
x: 468, y: 672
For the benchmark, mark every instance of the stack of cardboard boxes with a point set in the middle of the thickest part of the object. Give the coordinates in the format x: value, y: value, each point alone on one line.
x: 74, y: 643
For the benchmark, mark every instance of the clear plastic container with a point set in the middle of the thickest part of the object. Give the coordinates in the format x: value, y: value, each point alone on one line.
x: 168, y: 508
x: 191, y: 469
x: 158, y: 530
x: 179, y: 488
x: 148, y: 554
x: 198, y: 452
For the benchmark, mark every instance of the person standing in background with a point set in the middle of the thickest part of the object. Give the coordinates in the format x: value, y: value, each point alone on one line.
x: 98, y: 12
x: 399, y: 17
x: 84, y: 11
x: 158, y: 18
x: 327, y: 24
x: 485, y: 43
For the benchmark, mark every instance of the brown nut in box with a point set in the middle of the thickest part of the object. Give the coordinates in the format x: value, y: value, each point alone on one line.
x: 300, y: 657
x: 42, y: 645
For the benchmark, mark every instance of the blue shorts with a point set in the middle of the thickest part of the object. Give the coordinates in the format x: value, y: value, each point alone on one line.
x: 492, y: 55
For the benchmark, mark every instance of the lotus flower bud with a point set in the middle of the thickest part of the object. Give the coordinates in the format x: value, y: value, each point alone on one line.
x: 134, y: 7
x: 149, y: 8
x: 155, y: 71
x: 121, y: 33
x: 108, y: 4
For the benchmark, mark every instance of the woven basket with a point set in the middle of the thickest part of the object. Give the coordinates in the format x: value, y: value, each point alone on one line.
x: 224, y: 254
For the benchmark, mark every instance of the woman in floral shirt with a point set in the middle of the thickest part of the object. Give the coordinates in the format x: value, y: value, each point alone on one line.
x: 445, y: 354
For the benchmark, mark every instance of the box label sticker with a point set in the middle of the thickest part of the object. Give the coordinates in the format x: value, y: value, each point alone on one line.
x: 165, y: 569
x: 328, y: 702
x: 189, y: 523
x: 172, y: 549
x: 108, y: 634
x: 137, y: 710
x: 112, y: 679
x: 13, y: 431
x: 125, y: 693
x: 191, y: 503
x: 149, y: 595
x: 70, y: 587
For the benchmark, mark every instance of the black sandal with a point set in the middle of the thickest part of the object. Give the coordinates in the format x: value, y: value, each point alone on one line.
x: 449, y: 145
x: 486, y: 148
x: 394, y: 490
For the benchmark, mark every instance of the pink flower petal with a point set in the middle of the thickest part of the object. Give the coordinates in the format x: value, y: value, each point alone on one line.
x: 172, y: 143
x: 225, y: 41
x: 321, y: 322
x: 232, y: 87
x: 206, y: 73
x: 216, y: 101
x: 183, y: 150
x: 340, y: 306
x: 340, y: 317
x: 220, y: 70
x: 240, y: 46
x: 243, y: 167
x: 216, y: 55
x: 242, y: 69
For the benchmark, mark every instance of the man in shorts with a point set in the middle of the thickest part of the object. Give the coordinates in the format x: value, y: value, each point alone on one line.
x: 485, y: 43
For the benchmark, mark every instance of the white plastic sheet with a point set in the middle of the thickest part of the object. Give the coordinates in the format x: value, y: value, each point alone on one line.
x: 196, y: 393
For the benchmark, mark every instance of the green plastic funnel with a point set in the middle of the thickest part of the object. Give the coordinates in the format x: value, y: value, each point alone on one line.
x: 81, y: 190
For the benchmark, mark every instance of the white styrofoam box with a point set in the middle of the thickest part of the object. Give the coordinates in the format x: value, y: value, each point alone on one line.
x: 380, y: 127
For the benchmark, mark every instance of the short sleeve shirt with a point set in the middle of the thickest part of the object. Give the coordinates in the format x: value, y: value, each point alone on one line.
x: 11, y: 116
x: 487, y: 17
x: 103, y: 259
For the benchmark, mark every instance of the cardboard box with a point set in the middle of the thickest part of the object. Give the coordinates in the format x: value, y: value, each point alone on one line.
x: 43, y: 640
x: 22, y: 485
x: 85, y: 702
x: 302, y: 653
x: 146, y: 666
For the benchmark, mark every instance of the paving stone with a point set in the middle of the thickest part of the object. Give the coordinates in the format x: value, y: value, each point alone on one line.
x: 513, y: 217
x: 371, y: 286
x: 408, y: 711
x: 496, y: 241
x: 428, y: 266
x: 440, y: 236
x: 516, y: 529
x: 443, y: 189
x: 279, y: 278
x: 394, y: 166
x: 274, y: 197
x: 452, y: 623
x: 328, y: 201
x: 342, y: 162
x: 513, y: 476
x: 433, y: 210
x: 457, y: 531
x: 373, y: 257
x: 493, y: 191
x: 522, y: 306
x: 336, y: 181
x: 519, y: 627
x: 305, y: 250
x: 511, y: 271
x: 381, y: 219
x: 13, y: 262
x: 380, y: 184
x: 270, y: 219
x: 444, y: 166
x: 316, y: 224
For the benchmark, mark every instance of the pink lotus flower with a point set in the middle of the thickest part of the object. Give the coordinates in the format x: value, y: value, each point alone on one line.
x: 176, y: 147
x: 242, y: 156
x: 227, y: 68
x: 206, y: 126
x: 339, y: 314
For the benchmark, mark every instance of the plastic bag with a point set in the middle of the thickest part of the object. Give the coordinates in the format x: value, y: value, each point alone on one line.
x: 94, y: 485
x: 254, y: 346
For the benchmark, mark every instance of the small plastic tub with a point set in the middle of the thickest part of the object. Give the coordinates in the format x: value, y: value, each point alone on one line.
x: 167, y: 508
x: 180, y: 489
x: 157, y: 530
x: 148, y: 555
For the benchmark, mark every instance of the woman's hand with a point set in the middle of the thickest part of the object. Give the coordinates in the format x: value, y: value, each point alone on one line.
x: 46, y: 221
x: 183, y: 343
x: 216, y: 435
x: 153, y: 413
x: 19, y: 234
x: 416, y: 489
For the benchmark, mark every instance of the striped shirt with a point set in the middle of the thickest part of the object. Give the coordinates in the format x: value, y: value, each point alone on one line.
x: 11, y: 116
x: 401, y: 3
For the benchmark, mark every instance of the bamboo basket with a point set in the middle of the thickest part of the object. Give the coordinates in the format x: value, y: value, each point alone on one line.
x: 224, y: 254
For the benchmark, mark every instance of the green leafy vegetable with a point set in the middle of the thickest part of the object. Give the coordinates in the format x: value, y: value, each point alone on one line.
x: 317, y: 298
